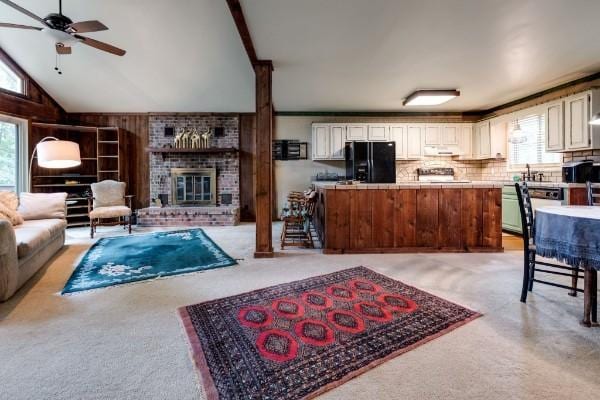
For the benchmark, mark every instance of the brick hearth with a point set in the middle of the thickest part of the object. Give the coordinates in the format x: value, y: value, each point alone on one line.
x: 189, y: 216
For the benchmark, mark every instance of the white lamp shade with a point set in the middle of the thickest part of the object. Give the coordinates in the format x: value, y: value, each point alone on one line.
x: 58, y: 154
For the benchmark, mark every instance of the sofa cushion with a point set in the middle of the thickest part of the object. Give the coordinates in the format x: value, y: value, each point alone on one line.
x: 10, y: 215
x: 34, y: 235
x: 42, y: 205
x: 110, y: 212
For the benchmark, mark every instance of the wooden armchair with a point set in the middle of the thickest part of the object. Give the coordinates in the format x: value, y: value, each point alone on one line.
x: 109, y: 202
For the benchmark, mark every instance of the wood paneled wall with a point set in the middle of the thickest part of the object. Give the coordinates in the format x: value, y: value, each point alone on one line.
x: 35, y: 104
x: 136, y: 127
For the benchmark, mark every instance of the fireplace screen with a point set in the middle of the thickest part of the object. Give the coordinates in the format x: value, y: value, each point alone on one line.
x: 193, y: 186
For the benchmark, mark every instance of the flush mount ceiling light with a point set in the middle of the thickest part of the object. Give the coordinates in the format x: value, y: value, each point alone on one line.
x: 430, y: 97
x: 595, y: 119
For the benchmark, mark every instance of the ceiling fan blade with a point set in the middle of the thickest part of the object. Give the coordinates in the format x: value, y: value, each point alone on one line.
x: 101, y: 45
x: 62, y: 49
x: 24, y: 11
x: 7, y: 25
x: 87, y: 26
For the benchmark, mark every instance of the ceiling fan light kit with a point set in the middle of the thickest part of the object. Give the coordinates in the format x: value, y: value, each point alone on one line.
x: 63, y: 31
x: 430, y: 97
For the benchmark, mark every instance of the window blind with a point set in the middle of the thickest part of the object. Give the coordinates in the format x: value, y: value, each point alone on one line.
x: 532, y: 151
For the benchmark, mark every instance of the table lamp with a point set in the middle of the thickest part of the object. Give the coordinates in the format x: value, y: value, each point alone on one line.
x: 55, y: 153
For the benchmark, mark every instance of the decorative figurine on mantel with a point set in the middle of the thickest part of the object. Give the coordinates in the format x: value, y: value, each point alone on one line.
x: 191, y: 139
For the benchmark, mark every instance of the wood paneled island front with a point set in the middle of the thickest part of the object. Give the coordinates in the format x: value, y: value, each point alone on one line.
x: 419, y: 217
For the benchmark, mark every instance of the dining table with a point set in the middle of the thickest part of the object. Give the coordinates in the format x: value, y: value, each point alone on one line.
x: 571, y: 234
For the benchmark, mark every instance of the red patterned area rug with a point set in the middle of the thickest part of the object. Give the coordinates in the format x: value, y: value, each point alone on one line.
x: 300, y: 339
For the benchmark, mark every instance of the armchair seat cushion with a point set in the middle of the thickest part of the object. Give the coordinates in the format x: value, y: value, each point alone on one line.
x: 110, y: 212
x: 35, y: 234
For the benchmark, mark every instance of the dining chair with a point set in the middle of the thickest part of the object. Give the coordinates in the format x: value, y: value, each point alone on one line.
x: 530, y: 262
x: 593, y: 195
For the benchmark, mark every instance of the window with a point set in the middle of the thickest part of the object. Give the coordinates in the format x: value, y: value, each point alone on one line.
x: 532, y: 151
x: 13, y: 154
x: 9, y: 137
x: 9, y: 79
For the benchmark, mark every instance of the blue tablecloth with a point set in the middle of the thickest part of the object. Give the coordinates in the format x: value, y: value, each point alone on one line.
x: 570, y: 234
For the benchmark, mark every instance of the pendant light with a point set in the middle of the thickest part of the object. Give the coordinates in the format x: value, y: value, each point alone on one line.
x: 517, y: 135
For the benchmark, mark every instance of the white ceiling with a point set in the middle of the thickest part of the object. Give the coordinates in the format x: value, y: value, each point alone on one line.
x: 182, y: 55
x: 329, y: 55
x: 367, y: 55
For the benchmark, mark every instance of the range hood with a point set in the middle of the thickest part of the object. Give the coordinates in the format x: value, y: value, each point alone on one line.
x: 441, y: 151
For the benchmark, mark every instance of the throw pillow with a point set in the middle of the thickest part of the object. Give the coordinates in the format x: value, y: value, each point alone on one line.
x: 10, y: 215
x: 9, y: 199
x: 42, y: 205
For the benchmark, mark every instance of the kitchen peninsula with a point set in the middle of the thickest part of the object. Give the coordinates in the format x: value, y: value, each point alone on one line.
x: 409, y: 217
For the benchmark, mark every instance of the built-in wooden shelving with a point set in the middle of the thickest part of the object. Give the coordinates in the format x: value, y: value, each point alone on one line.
x: 102, y: 152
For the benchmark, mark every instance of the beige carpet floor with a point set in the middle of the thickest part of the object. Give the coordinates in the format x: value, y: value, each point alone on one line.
x: 127, y: 343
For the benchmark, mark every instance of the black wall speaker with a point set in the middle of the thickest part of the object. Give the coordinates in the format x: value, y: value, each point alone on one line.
x: 219, y: 131
x: 169, y: 131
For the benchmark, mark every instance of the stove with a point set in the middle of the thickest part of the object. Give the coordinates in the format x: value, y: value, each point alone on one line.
x: 445, y: 175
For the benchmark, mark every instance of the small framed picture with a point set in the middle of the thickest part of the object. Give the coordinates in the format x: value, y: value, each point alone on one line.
x: 169, y: 131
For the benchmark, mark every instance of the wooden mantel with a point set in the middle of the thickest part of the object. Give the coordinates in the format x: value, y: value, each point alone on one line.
x: 176, y: 150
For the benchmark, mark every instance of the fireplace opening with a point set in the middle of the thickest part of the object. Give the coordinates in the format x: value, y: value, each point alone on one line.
x: 194, y: 186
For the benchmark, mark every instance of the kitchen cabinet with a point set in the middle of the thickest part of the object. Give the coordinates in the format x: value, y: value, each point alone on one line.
x: 555, y: 138
x: 398, y: 135
x: 320, y: 141
x: 511, y: 214
x: 356, y: 132
x: 378, y: 132
x: 451, y: 134
x: 577, y: 128
x: 414, y: 141
x: 466, y: 142
x: 337, y: 141
x: 498, y: 138
x: 482, y: 143
x: 433, y: 135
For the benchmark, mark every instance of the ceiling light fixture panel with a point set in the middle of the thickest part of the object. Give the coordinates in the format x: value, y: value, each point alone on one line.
x: 430, y: 97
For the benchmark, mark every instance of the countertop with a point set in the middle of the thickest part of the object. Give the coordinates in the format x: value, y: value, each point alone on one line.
x: 431, y: 185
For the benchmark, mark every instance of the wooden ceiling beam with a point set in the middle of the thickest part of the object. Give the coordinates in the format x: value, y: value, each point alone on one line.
x: 240, y: 22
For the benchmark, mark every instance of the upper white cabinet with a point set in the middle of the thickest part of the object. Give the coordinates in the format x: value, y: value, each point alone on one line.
x: 378, y: 132
x: 337, y: 141
x: 356, y: 132
x: 320, y: 141
x: 433, y: 135
x: 414, y: 141
x: 555, y: 138
x: 498, y: 138
x: 577, y: 116
x: 398, y: 134
x: 451, y: 134
x: 466, y: 141
x: 482, y: 143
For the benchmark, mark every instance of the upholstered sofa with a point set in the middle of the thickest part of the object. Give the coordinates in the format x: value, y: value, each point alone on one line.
x: 25, y: 248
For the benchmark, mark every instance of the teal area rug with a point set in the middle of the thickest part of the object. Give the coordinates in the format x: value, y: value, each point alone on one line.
x: 126, y: 259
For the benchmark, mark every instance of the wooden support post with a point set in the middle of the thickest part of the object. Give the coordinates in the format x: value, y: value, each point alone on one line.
x: 264, y: 159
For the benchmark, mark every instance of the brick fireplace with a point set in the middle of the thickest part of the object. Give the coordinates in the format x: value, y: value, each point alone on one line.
x: 208, y: 183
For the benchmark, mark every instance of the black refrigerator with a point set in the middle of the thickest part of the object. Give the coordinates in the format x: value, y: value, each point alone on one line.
x: 371, y: 162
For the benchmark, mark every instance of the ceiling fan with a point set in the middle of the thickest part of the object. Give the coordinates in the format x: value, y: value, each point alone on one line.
x: 63, y: 31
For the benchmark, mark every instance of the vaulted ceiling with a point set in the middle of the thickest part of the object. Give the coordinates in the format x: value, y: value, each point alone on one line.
x: 182, y: 55
x: 358, y: 55
x: 334, y: 55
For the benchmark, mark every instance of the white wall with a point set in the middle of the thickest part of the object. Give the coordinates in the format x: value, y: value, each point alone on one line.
x: 296, y: 175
